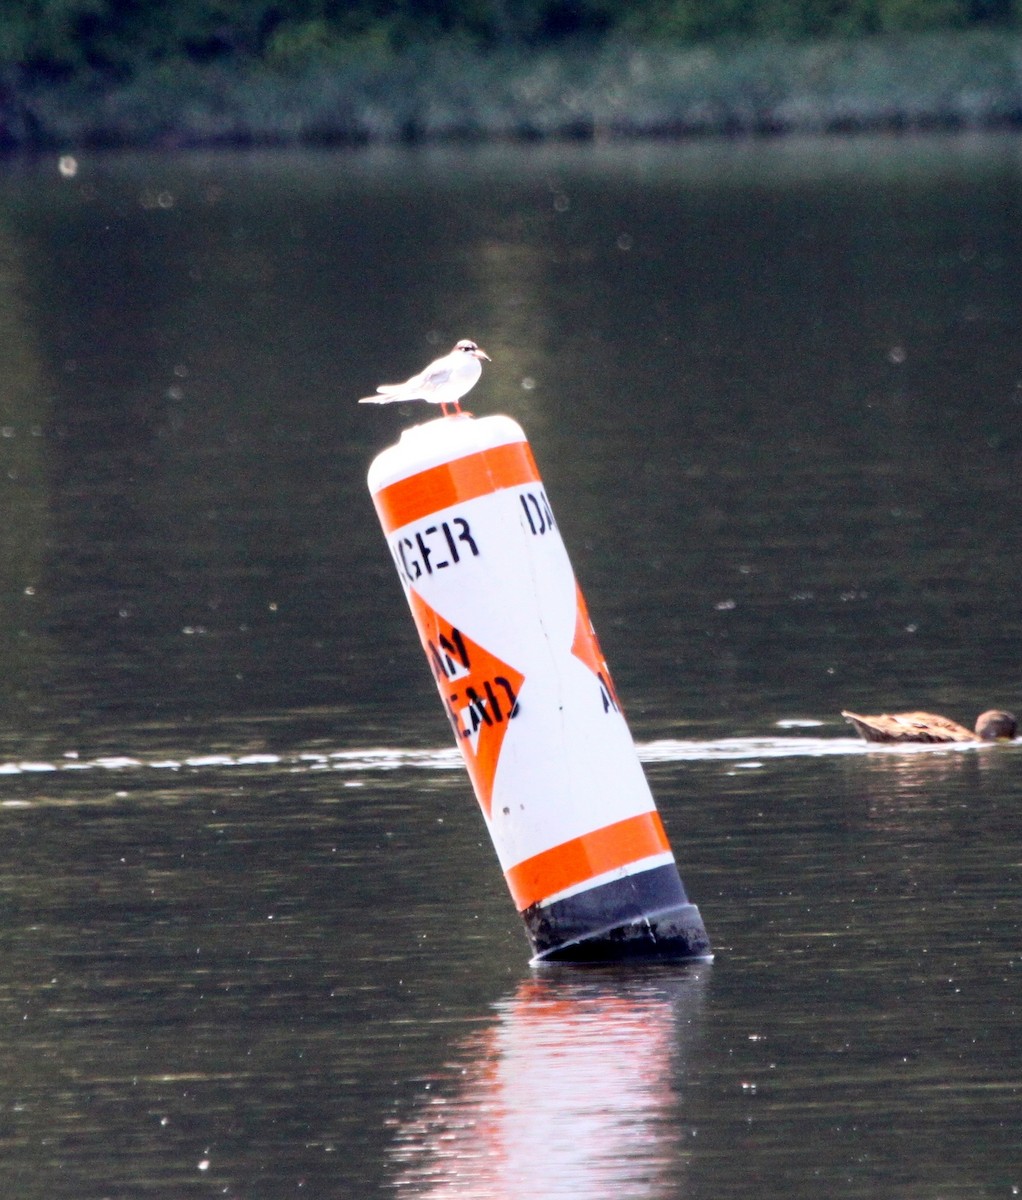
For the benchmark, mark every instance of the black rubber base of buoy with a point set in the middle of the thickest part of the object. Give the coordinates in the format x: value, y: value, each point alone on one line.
x: 646, y: 916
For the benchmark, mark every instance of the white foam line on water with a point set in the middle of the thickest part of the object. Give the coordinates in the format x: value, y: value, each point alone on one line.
x: 752, y: 751
x: 730, y: 749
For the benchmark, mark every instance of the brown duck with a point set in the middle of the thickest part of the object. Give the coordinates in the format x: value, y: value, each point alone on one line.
x: 991, y: 726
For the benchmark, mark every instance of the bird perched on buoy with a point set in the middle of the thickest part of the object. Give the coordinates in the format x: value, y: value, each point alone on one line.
x: 991, y: 726
x: 443, y: 382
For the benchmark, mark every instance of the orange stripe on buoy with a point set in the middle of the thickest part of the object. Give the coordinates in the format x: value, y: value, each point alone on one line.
x: 455, y: 482
x: 585, y: 857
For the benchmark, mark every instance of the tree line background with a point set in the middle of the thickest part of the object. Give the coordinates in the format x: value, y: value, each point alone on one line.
x: 60, y: 38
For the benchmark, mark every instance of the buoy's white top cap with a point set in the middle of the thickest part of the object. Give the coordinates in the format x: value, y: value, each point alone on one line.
x: 440, y: 441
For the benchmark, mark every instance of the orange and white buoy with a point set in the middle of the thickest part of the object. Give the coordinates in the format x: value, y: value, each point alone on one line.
x: 528, y: 694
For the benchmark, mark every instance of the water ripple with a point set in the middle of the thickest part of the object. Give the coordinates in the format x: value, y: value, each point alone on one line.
x: 749, y: 750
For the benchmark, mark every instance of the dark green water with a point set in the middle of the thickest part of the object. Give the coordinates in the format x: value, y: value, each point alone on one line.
x: 254, y: 942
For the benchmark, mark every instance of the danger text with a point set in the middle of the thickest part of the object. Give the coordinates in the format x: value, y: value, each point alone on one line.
x: 433, y: 548
x: 537, y: 510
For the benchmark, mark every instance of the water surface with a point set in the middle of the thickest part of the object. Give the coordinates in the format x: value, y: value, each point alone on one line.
x: 255, y: 943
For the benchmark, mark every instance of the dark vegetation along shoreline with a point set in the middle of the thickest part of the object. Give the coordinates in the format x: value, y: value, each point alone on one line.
x: 508, y: 70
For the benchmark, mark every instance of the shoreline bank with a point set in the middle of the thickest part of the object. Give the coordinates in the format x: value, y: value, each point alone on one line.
x: 598, y: 91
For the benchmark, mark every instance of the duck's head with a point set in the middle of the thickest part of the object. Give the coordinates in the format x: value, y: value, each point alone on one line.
x: 996, y: 726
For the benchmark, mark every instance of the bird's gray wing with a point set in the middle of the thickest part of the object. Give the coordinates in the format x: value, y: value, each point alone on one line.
x: 389, y: 392
x: 420, y: 386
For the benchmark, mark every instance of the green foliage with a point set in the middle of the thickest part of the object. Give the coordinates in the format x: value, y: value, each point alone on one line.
x: 68, y: 36
x: 697, y: 20
x: 48, y: 32
x: 295, y: 46
x: 612, y: 89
